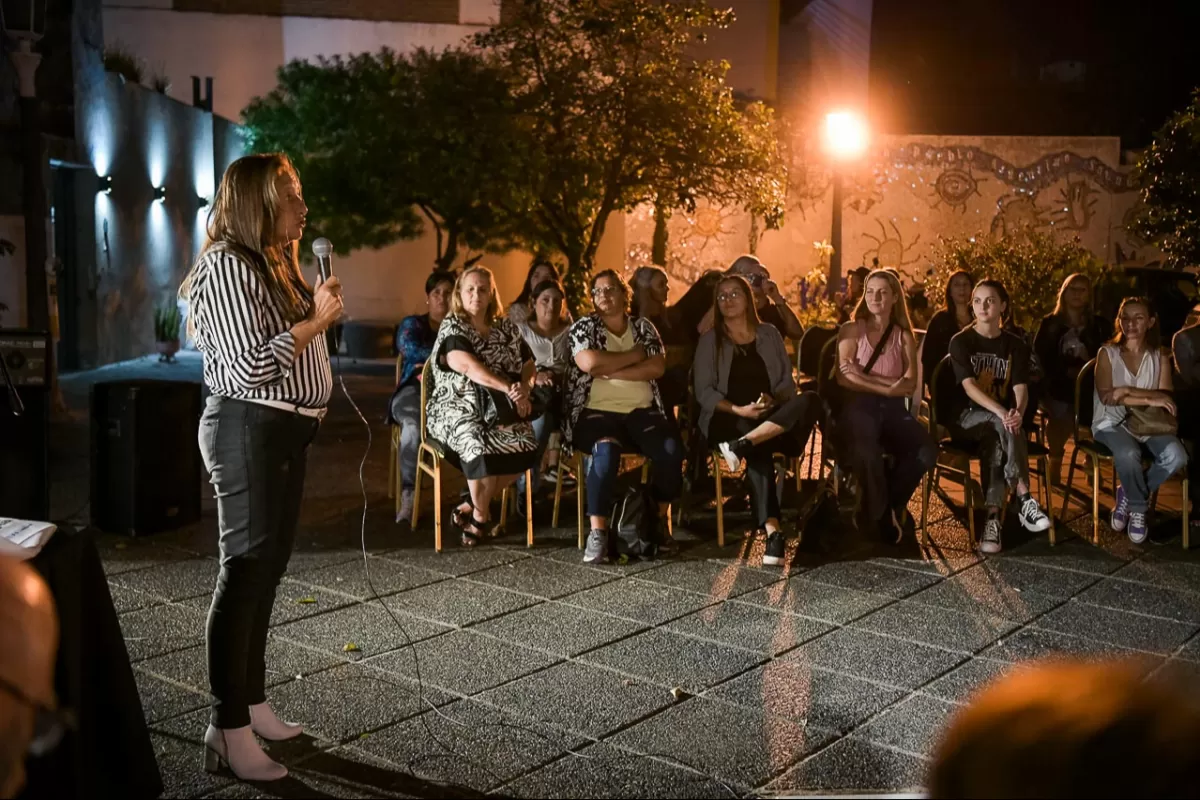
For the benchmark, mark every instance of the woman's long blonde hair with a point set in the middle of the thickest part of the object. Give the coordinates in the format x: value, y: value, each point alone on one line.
x: 899, y: 310
x: 243, y: 220
x: 495, y: 307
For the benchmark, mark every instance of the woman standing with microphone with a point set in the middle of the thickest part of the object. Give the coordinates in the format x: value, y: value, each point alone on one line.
x: 259, y: 325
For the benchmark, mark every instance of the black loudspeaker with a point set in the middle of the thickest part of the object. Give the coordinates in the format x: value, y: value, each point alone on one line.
x: 24, y: 439
x: 145, y: 461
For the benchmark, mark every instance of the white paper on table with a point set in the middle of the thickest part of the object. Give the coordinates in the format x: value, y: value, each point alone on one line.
x: 24, y: 538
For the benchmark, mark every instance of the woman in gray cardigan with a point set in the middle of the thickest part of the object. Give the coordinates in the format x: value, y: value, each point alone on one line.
x: 749, y: 407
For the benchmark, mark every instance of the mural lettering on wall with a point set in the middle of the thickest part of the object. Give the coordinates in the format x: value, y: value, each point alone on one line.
x: 954, y: 187
x: 890, y: 248
x: 1041, y: 174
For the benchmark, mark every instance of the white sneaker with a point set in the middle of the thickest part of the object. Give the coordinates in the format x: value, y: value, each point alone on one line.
x: 990, y: 541
x: 731, y: 459
x: 406, y: 507
x: 1032, y: 516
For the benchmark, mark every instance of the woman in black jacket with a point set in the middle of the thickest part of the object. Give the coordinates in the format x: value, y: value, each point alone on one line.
x: 1066, y: 340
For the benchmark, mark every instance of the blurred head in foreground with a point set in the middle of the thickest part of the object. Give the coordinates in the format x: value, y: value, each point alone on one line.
x: 28, y: 643
x: 1071, y: 729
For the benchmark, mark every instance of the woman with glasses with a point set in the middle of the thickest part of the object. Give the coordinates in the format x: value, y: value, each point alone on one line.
x: 613, y: 405
x: 749, y: 407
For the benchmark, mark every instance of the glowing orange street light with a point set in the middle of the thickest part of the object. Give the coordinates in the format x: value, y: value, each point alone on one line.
x: 845, y: 139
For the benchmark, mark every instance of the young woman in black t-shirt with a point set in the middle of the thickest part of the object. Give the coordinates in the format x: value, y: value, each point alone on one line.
x: 993, y: 366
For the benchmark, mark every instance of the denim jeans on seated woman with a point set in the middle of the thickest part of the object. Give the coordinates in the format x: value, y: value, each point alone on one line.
x: 1167, y: 452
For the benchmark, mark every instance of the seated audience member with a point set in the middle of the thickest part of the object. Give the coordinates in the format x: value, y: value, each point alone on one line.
x: 1065, y: 729
x: 1066, y: 339
x: 540, y: 271
x: 993, y: 367
x: 651, y: 290
x: 877, y: 364
x: 954, y: 315
x: 478, y: 355
x: 612, y: 405
x: 547, y: 333
x: 414, y: 341
x: 768, y: 300
x: 749, y: 408
x: 854, y: 290
x: 1186, y: 348
x: 1135, y: 415
x: 28, y: 646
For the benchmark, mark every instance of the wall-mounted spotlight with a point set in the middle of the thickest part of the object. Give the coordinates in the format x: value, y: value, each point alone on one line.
x: 160, y: 193
x: 106, y: 184
x: 203, y: 201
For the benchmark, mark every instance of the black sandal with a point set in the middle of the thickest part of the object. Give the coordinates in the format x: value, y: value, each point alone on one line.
x: 472, y: 532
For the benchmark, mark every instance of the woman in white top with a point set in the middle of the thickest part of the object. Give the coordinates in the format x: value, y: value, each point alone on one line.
x: 547, y: 332
x: 1132, y: 370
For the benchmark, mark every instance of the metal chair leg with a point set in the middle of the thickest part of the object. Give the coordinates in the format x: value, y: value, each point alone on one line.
x: 437, y: 508
x: 720, y: 503
x: 529, y: 508
x: 580, y: 487
x: 417, y: 491
x: 557, y: 489
x: 926, y: 487
x: 1096, y: 502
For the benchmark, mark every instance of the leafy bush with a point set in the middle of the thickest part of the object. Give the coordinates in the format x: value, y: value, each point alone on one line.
x: 121, y: 60
x: 167, y: 321
x: 1032, y: 266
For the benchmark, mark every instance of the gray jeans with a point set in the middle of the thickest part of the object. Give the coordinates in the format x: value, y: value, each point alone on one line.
x: 406, y: 410
x: 1003, y: 456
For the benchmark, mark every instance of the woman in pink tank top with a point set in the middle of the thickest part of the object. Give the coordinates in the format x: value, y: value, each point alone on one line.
x: 877, y: 366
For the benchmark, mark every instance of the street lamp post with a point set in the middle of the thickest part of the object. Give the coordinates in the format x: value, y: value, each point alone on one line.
x: 24, y: 22
x: 845, y: 140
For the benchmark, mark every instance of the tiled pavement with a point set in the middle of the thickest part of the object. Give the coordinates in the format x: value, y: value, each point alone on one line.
x: 524, y: 673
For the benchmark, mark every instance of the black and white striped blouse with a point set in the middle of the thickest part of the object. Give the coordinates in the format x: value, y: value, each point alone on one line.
x: 249, y: 351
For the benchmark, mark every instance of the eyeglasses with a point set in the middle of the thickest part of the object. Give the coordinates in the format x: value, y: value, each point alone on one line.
x: 603, y: 291
x: 49, y: 726
x: 725, y: 297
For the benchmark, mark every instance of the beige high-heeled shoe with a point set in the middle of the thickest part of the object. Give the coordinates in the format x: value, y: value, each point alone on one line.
x: 239, y: 750
x: 270, y: 727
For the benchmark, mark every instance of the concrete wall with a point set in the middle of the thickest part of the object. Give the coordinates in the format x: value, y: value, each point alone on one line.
x: 241, y: 52
x: 908, y: 191
x: 143, y: 246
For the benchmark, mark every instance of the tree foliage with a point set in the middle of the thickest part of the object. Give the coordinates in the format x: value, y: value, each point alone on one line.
x: 1169, y: 173
x: 613, y: 112
x: 1031, y: 265
x: 385, y: 142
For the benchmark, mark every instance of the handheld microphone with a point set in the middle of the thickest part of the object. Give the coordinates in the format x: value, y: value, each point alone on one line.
x: 323, y: 249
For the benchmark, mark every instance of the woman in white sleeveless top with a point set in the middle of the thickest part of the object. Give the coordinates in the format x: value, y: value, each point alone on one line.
x: 1133, y: 370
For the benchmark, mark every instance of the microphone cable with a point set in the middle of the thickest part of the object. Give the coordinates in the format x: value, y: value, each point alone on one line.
x: 412, y: 647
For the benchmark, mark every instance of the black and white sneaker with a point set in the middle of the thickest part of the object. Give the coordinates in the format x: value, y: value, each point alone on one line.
x: 1032, y: 516
x: 990, y: 541
x: 776, y: 549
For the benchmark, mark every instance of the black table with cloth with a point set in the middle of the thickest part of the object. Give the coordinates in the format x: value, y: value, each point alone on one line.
x: 109, y: 753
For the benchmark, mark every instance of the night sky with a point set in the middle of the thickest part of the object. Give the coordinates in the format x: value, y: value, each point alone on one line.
x: 974, y: 67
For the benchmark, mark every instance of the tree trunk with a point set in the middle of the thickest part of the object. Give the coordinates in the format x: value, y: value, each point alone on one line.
x: 754, y: 235
x: 658, y: 251
x: 446, y: 257
x: 575, y: 282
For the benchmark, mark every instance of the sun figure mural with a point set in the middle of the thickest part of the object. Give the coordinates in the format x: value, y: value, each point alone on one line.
x: 954, y: 187
x: 890, y: 248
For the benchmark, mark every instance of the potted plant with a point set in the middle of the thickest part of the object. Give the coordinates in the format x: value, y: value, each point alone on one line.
x: 167, y: 321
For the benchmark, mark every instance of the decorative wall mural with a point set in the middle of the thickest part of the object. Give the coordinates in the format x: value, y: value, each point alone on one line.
x: 1076, y: 205
x: 890, y: 248
x: 911, y: 190
x: 1041, y: 174
x: 954, y: 187
x: 864, y: 191
x: 1017, y: 212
